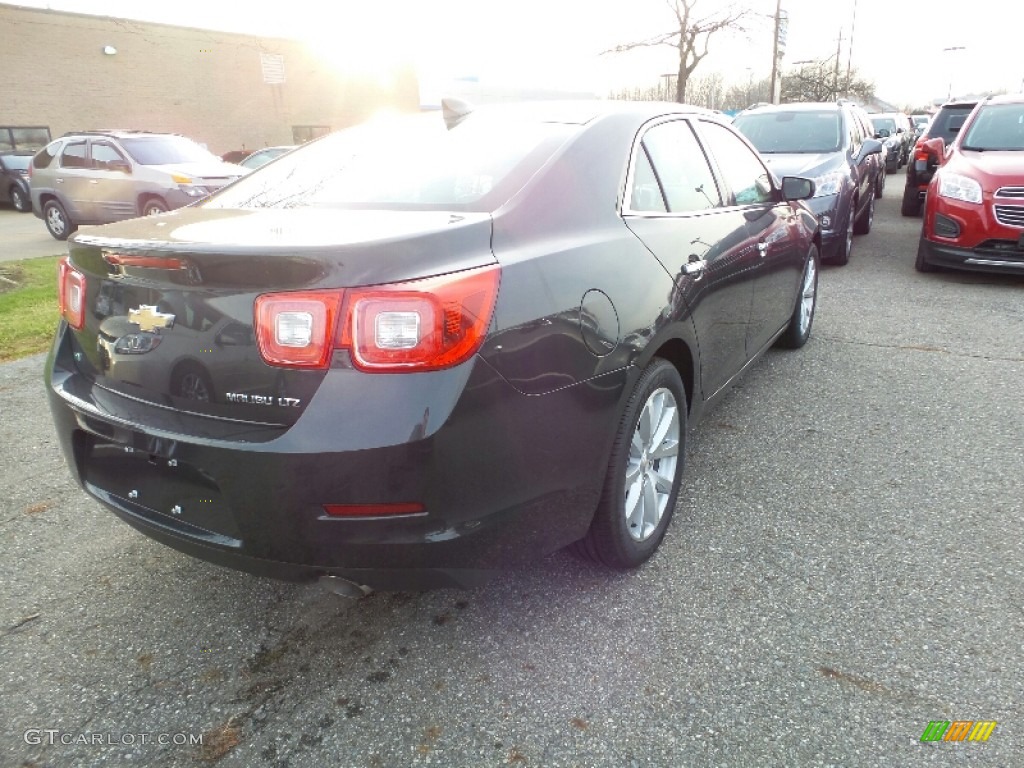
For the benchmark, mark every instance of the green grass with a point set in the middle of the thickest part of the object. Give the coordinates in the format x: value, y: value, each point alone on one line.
x: 28, y: 306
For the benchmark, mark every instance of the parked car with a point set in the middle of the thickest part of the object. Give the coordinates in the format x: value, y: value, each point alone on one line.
x: 261, y: 157
x: 96, y: 177
x: 236, y: 155
x: 824, y: 141
x: 897, y: 134
x: 927, y: 154
x: 974, y: 211
x: 14, y: 180
x: 477, y: 340
x: 919, y: 122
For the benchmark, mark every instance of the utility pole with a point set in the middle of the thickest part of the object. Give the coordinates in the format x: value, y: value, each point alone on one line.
x: 849, y: 55
x: 839, y: 50
x: 776, y: 84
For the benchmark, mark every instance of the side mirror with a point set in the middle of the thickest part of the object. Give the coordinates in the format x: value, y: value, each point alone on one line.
x: 797, y: 188
x: 899, y: 130
x: 870, y: 147
x: 883, y: 133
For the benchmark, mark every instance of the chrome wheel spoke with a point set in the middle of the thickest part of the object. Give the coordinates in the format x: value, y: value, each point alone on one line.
x: 651, y: 464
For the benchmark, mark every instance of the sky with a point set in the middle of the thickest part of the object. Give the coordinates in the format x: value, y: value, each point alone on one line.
x: 898, y: 44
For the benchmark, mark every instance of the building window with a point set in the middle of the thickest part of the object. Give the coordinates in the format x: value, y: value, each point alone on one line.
x: 303, y: 133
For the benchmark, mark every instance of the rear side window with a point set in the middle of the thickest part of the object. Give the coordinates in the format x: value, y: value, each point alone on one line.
x: 681, y: 167
x: 74, y: 156
x: 45, y: 156
x: 743, y: 170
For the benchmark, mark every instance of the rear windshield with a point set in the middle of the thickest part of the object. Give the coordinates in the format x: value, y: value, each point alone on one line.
x: 405, y: 162
x: 166, y: 150
x: 17, y: 162
x: 948, y: 122
x: 996, y: 127
x: 884, y: 123
x: 792, y: 132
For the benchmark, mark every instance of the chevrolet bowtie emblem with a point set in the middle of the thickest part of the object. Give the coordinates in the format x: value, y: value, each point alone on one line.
x: 148, y: 319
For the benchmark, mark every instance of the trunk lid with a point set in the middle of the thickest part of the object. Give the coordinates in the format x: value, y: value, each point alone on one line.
x: 169, y: 299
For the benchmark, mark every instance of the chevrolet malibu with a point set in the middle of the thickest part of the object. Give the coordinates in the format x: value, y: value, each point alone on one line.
x: 429, y: 348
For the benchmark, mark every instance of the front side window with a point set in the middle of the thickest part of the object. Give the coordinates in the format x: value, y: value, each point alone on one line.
x: 681, y: 168
x: 743, y: 170
x: 74, y: 156
x: 105, y: 156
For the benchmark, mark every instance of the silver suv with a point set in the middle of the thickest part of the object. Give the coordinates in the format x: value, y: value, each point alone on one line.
x: 95, y: 177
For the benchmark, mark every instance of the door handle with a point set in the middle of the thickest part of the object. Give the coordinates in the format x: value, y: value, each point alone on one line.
x: 59, y: 180
x: 94, y: 181
x: 762, y: 248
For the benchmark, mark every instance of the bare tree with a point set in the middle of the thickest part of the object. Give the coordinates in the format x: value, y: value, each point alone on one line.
x: 823, y: 81
x: 690, y: 35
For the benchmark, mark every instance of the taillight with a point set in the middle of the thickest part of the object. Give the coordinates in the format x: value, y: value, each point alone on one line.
x: 294, y: 330
x: 422, y: 325
x: 71, y: 294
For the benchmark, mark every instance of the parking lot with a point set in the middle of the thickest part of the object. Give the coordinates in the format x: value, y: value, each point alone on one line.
x: 844, y: 567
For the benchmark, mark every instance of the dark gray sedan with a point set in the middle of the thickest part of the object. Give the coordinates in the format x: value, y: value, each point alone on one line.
x: 425, y: 349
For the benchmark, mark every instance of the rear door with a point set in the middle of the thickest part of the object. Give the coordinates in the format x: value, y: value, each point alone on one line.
x: 676, y: 208
x: 72, y: 180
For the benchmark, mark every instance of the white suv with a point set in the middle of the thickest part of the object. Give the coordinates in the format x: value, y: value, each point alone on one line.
x: 95, y: 177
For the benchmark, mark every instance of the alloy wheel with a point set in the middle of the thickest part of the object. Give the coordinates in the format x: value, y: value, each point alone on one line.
x: 651, y: 466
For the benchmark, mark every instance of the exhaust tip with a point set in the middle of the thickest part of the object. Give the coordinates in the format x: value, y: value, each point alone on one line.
x: 344, y: 587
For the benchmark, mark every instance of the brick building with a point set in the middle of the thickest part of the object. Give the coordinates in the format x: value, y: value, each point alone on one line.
x: 70, y: 71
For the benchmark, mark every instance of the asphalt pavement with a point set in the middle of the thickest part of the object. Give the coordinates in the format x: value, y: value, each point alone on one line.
x: 844, y: 568
x: 23, y: 236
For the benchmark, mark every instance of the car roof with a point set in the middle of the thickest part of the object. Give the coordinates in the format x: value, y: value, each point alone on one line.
x: 116, y: 133
x: 798, y: 106
x: 581, y: 112
x: 1005, y: 98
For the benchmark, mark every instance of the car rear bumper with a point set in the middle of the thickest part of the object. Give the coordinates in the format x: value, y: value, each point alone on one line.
x: 503, y: 478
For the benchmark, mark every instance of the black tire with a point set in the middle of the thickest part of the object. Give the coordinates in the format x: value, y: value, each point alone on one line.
x: 911, y: 205
x: 880, y: 185
x: 919, y: 263
x: 863, y: 223
x: 151, y: 206
x: 799, y: 328
x: 842, y: 255
x: 57, y: 221
x: 21, y: 201
x: 616, y: 538
x: 191, y: 382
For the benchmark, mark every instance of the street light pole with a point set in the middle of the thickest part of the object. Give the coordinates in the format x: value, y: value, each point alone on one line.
x: 949, y: 93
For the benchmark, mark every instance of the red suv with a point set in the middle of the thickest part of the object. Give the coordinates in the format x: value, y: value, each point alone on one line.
x: 974, y: 210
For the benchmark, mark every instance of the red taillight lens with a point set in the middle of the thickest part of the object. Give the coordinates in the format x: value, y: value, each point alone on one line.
x: 71, y: 294
x: 295, y: 330
x: 423, y: 325
x: 373, y: 510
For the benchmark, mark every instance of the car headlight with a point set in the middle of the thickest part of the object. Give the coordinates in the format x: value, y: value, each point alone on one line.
x: 957, y: 187
x: 194, y: 190
x: 829, y: 184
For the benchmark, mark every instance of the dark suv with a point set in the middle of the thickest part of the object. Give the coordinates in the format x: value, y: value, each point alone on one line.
x: 830, y: 143
x: 926, y: 157
x: 895, y: 131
